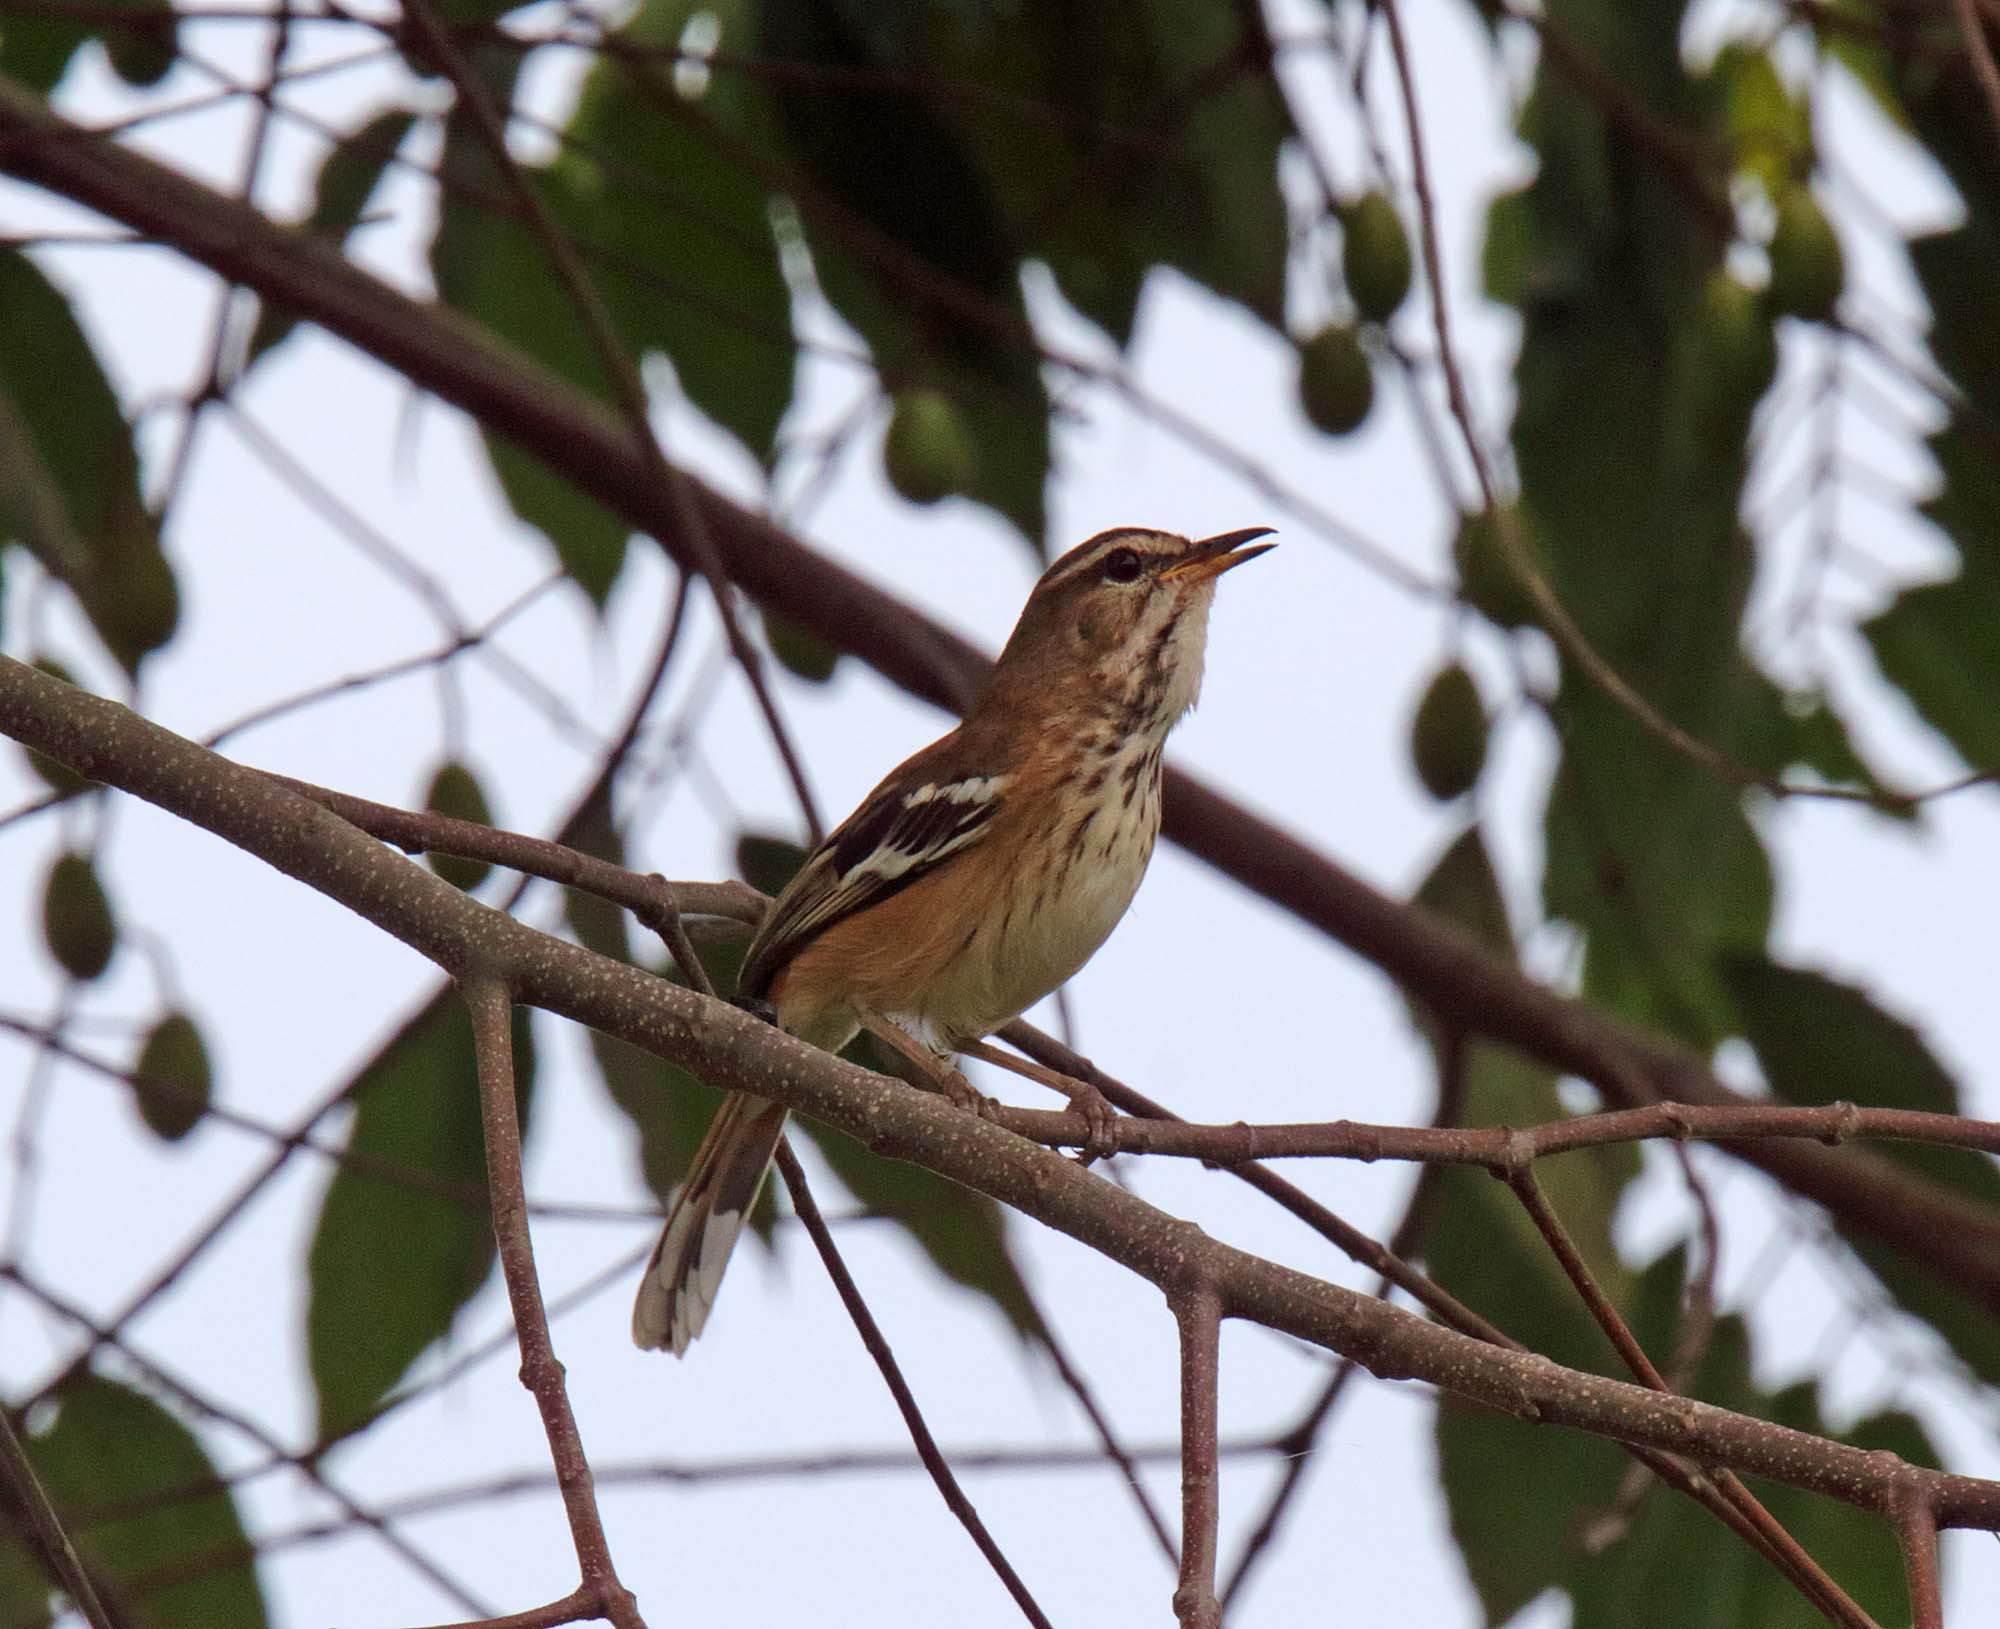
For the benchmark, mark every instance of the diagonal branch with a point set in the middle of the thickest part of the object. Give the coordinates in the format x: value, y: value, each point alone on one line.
x: 1786, y: 1553
x: 493, y: 1043
x: 590, y: 445
x: 733, y: 1050
x: 892, y: 1374
x: 59, y: 1557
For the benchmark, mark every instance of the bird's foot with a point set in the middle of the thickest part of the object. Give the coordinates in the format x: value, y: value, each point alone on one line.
x: 961, y: 1093
x: 1100, y: 1139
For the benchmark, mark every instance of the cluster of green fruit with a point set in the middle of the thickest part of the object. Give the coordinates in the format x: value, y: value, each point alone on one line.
x: 172, y: 1082
x: 1336, y: 382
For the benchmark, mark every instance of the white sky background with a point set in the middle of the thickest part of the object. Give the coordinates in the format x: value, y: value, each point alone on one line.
x: 1212, y: 1000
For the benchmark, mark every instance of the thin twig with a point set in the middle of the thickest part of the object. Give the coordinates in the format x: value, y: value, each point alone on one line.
x: 1916, y: 1527
x: 602, y: 335
x: 899, y: 1388
x: 1343, y: 1235
x: 1980, y: 50
x: 58, y: 1554
x: 1300, y: 1442
x: 493, y: 1044
x: 215, y: 1409
x: 1114, y: 1450
x: 1198, y: 1312
x: 1806, y: 1575
x: 576, y: 1607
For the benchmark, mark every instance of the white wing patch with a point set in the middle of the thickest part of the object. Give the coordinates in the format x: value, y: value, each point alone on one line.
x: 886, y: 844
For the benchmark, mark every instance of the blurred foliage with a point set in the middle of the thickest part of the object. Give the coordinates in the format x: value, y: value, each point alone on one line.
x: 727, y: 166
x: 456, y: 793
x: 173, y: 1080
x: 69, y: 473
x: 404, y: 1238
x: 137, y: 1494
x: 349, y: 176
x: 1662, y: 1563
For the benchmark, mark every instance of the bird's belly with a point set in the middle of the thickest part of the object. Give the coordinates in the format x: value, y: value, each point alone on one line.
x: 1055, y: 920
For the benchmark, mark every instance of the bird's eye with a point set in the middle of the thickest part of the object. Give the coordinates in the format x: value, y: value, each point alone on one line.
x: 1121, y: 566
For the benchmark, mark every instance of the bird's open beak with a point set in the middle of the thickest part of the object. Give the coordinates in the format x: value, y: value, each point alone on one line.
x: 1212, y: 556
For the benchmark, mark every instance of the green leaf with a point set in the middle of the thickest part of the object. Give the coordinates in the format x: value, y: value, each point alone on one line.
x: 668, y: 1107
x: 1820, y: 1040
x: 37, y: 50
x: 1158, y: 145
x: 807, y: 655
x: 768, y: 863
x: 69, y: 473
x: 1770, y: 132
x: 456, y: 793
x: 1485, y: 1250
x: 392, y: 1261
x: 1936, y: 642
x: 491, y: 267
x: 1654, y: 858
x: 905, y: 234
x: 690, y: 269
x: 114, y: 1449
x: 1675, y: 1566
x: 348, y: 176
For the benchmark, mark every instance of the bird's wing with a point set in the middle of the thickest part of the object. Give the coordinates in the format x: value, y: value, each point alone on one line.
x: 908, y: 826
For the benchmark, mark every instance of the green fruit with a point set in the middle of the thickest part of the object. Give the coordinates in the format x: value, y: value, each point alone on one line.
x: 172, y: 1078
x: 455, y: 791
x: 1807, y: 267
x: 59, y: 777
x: 1487, y: 579
x: 928, y: 454
x: 1336, y: 385
x: 139, y: 605
x: 1374, y: 256
x: 76, y: 918
x: 1448, y: 735
x: 1738, y: 353
x: 142, y: 56
x: 807, y: 655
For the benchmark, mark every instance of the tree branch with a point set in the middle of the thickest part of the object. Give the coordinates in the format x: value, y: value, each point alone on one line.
x: 732, y: 1050
x: 591, y: 446
x: 938, y: 1467
x: 493, y: 1043
x: 1198, y: 1312
x: 59, y: 1557
x: 1785, y: 1552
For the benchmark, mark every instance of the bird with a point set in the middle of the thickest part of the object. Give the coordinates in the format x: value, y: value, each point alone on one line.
x: 976, y: 878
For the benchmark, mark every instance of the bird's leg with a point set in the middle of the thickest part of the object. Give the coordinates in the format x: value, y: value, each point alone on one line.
x: 1100, y: 1142
x: 941, y: 1072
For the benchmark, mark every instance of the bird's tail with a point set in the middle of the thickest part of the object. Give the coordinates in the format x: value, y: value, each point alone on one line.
x: 685, y: 1272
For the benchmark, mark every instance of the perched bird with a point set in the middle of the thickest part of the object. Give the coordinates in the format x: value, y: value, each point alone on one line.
x: 977, y: 877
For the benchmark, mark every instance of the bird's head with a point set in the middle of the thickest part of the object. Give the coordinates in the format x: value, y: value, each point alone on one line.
x: 1120, y: 624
